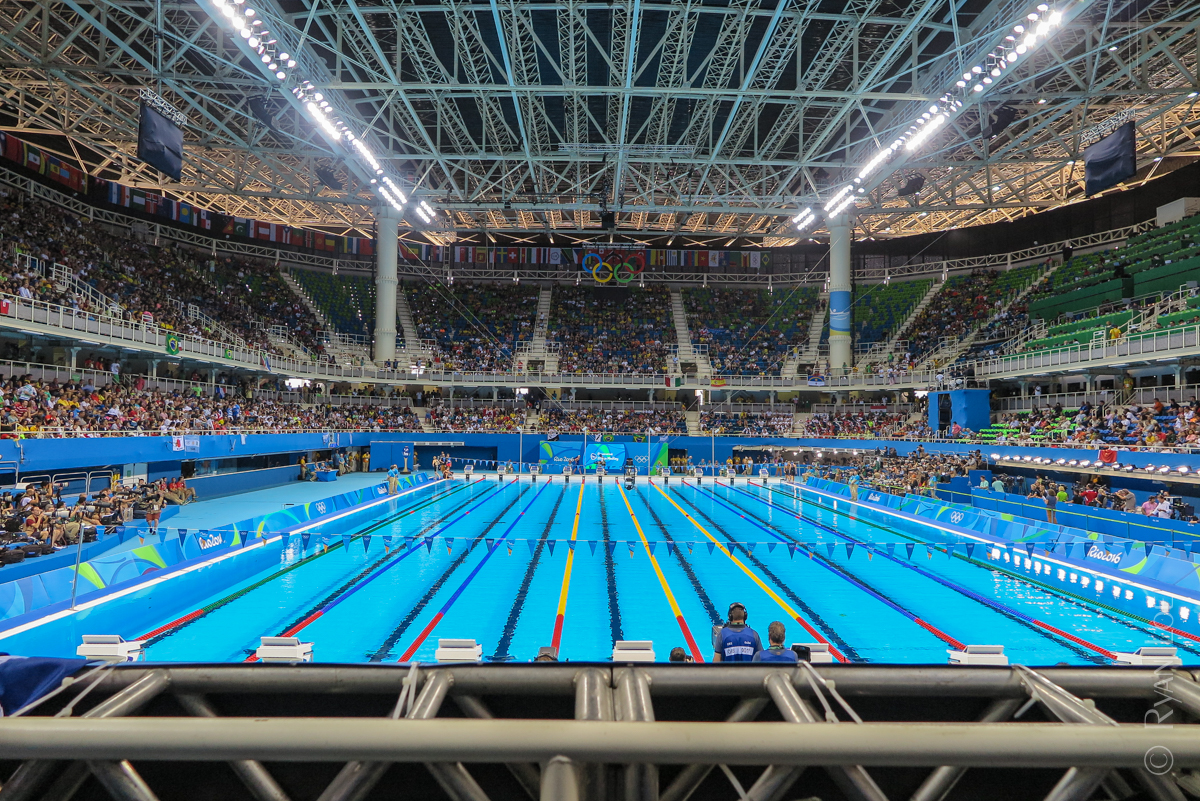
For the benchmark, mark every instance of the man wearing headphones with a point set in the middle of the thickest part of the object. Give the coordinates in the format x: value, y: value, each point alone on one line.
x: 735, y: 641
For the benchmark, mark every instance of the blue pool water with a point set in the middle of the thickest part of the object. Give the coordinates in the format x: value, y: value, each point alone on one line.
x: 493, y: 561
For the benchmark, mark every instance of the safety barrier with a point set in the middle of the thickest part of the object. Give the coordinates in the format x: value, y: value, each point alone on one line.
x: 40, y: 594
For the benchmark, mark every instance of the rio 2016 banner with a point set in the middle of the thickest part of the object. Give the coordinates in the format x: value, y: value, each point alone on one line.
x: 557, y: 455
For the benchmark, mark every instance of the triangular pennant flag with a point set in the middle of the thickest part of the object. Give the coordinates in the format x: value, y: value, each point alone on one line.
x: 387, y: 541
x: 950, y: 550
x: 532, y: 544
x: 829, y: 546
x: 489, y: 542
x: 304, y: 538
x: 849, y: 549
x: 1149, y: 549
x: 429, y: 544
x: 570, y: 546
x: 928, y: 552
x: 771, y: 546
x: 891, y: 548
x: 909, y: 546
x: 690, y: 546
x: 182, y: 534
x: 1029, y: 546
x: 1068, y: 547
x: 970, y: 549
x: 870, y: 552
x: 408, y: 540
x: 631, y: 545
x: 1128, y: 546
x: 750, y: 547
x: 366, y: 540
x: 651, y: 545
x: 449, y: 543
x: 670, y: 548
x: 346, y: 541
x: 510, y: 547
x: 710, y: 545
x: 592, y: 544
x: 1051, y: 547
x: 791, y: 550
x: 612, y: 547
x: 550, y: 545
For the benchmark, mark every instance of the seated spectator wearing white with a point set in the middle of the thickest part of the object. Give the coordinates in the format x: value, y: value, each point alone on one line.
x: 776, y: 652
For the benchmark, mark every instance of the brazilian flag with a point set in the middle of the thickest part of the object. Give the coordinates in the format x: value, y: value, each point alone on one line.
x: 172, y: 345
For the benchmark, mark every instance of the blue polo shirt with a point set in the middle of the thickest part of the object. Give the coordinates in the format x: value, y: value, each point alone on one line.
x: 776, y: 653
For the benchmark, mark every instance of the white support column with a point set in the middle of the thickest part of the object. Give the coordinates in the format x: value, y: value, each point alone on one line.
x: 386, y: 246
x: 841, y: 354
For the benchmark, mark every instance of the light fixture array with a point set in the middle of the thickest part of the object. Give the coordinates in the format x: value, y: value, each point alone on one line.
x: 247, y: 22
x: 1036, y: 27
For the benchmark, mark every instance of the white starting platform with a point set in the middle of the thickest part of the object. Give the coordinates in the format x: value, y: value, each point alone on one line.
x: 633, y: 651
x: 451, y: 651
x: 979, y: 655
x: 110, y: 648
x: 1150, y: 655
x: 818, y: 652
x: 284, y: 649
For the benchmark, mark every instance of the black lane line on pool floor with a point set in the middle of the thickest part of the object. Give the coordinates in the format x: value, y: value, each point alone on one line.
x: 705, y: 600
x: 610, y: 573
x: 829, y: 631
x: 378, y: 562
x: 1095, y: 607
x: 161, y: 633
x: 518, y: 605
x: 1077, y: 650
x: 385, y: 650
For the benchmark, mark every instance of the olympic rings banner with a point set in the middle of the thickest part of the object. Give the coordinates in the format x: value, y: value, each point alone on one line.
x: 615, y: 265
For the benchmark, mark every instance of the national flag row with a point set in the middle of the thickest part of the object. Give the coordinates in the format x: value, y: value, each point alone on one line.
x: 738, y: 259
x: 34, y: 159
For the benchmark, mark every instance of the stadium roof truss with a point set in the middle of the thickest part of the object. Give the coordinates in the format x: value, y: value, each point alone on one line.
x: 686, y: 118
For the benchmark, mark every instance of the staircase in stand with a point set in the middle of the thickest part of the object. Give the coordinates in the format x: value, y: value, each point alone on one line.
x: 812, y: 348
x: 404, y: 316
x: 538, y: 349
x: 693, y: 423
x: 685, y: 350
x: 898, y: 336
x: 305, y: 299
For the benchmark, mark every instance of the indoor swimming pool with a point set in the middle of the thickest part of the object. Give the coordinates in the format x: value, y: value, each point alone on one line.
x: 518, y: 565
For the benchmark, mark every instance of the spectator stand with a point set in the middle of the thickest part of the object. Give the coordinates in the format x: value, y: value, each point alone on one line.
x: 747, y: 419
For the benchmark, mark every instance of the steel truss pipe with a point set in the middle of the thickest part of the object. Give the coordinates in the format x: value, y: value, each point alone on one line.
x: 679, y: 680
x: 449, y: 740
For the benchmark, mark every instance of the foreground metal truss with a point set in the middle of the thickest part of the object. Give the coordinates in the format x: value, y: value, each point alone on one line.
x: 688, y: 119
x: 596, y: 732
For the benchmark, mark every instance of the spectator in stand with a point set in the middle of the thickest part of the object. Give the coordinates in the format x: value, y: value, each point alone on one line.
x: 747, y: 424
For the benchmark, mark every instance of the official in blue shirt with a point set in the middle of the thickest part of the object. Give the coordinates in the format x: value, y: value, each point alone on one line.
x: 776, y: 653
x: 735, y: 641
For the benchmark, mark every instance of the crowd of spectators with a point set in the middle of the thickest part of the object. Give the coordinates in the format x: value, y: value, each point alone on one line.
x: 500, y: 419
x: 474, y: 327
x: 146, y: 283
x: 1157, y: 424
x: 963, y: 303
x: 744, y: 331
x: 856, y: 423
x: 733, y: 422
x: 602, y: 330
x: 30, y: 408
x: 612, y: 421
x: 38, y: 519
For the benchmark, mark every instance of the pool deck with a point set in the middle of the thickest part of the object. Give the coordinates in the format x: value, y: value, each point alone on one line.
x: 232, y: 508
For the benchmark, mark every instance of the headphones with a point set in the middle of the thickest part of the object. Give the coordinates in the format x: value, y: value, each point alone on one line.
x: 737, y: 605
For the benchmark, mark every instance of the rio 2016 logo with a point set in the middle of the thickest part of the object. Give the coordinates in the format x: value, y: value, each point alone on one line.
x: 206, y: 541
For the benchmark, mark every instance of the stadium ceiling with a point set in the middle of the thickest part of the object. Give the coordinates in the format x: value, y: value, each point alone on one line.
x: 687, y: 118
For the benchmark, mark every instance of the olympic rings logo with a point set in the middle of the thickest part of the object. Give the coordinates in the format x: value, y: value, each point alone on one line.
x: 614, y: 265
